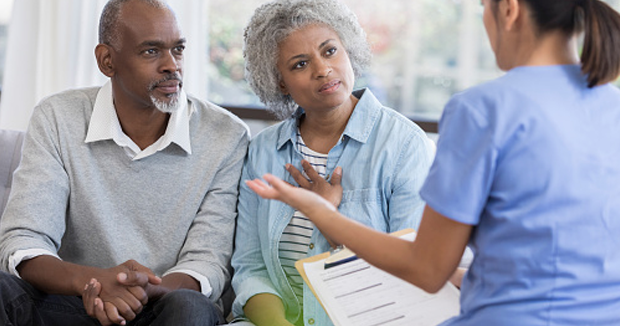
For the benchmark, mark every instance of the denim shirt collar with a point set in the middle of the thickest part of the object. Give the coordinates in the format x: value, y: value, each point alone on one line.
x: 358, y: 128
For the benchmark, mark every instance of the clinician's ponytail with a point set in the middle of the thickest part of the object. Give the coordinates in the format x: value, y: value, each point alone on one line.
x: 600, y: 59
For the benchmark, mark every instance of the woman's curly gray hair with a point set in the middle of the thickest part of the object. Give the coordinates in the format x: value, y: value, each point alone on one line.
x: 273, y: 22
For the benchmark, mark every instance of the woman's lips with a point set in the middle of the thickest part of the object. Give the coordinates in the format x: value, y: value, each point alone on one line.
x: 330, y: 87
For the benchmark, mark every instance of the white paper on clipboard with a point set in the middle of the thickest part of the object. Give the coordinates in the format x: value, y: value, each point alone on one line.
x: 358, y: 294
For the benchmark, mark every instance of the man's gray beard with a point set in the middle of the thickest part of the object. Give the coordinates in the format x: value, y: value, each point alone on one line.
x: 167, y: 107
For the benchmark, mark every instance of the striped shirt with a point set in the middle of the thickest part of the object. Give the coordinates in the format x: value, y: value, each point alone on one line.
x: 296, y: 237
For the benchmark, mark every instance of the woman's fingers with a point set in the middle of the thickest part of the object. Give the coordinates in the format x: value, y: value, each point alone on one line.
x: 336, y: 177
x: 298, y: 176
x: 311, y: 172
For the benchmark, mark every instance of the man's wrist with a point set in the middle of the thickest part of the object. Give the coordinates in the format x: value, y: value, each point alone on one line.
x: 155, y: 292
x: 82, y: 277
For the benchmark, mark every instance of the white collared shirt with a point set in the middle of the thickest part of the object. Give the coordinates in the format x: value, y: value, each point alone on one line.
x: 104, y: 125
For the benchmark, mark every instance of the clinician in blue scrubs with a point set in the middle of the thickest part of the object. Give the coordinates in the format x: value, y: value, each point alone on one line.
x: 527, y: 171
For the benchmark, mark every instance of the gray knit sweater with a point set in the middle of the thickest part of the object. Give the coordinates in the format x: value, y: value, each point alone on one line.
x: 94, y: 206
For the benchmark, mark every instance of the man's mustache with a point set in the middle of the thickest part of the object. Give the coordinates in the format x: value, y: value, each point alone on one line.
x: 172, y: 76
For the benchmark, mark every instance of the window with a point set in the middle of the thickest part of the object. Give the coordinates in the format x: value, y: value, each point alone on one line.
x: 424, y: 51
x: 5, y: 15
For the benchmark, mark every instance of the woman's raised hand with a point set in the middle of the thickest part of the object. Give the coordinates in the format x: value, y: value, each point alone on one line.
x: 332, y: 190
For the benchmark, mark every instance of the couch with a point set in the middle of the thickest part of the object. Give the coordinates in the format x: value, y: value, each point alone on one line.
x: 10, y: 155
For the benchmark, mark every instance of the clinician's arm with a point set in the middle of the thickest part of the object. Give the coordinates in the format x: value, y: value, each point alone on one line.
x: 428, y: 262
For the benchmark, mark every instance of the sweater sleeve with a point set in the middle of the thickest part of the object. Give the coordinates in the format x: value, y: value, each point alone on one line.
x: 36, y: 210
x: 208, y: 245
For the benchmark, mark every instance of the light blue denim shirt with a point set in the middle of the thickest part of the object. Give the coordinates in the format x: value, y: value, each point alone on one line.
x: 385, y: 158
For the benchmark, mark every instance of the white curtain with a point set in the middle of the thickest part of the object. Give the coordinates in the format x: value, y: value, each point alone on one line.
x: 51, y: 48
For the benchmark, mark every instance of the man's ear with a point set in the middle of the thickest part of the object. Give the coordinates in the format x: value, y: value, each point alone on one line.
x: 509, y: 13
x: 283, y: 88
x: 103, y: 54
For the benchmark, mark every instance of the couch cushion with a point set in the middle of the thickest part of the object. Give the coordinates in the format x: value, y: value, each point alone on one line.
x: 10, y: 155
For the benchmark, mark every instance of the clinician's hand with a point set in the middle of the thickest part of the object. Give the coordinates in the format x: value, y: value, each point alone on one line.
x: 301, y: 199
x: 331, y: 191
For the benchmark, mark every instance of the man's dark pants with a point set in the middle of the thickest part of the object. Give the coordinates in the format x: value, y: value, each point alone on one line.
x: 26, y: 306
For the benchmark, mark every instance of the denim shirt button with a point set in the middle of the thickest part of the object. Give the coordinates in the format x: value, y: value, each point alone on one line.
x: 311, y: 321
x: 311, y: 246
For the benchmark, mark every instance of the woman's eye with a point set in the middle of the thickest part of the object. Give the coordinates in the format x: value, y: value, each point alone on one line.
x: 331, y: 51
x: 300, y: 64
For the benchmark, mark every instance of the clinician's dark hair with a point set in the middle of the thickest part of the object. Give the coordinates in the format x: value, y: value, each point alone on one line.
x: 600, y: 59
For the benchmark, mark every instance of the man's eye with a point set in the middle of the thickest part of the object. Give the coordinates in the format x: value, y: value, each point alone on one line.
x: 180, y: 48
x: 150, y: 51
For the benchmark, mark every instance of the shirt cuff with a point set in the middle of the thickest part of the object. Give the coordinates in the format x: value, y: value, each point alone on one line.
x: 20, y: 255
x: 205, y: 286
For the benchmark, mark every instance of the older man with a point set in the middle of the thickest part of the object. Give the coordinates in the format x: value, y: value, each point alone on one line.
x: 126, y: 193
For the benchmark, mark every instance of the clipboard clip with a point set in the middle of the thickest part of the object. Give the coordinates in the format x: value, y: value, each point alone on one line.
x: 338, y: 256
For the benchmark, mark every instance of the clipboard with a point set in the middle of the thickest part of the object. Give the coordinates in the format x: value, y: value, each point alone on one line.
x: 431, y: 309
x: 299, y: 265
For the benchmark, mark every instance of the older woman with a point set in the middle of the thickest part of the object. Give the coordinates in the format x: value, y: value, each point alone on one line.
x: 518, y: 176
x: 302, y: 58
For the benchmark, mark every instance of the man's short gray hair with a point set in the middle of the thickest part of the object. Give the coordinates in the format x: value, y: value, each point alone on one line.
x: 273, y: 22
x: 111, y: 16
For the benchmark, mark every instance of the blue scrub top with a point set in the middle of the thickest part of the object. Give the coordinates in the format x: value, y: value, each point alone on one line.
x: 532, y: 161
